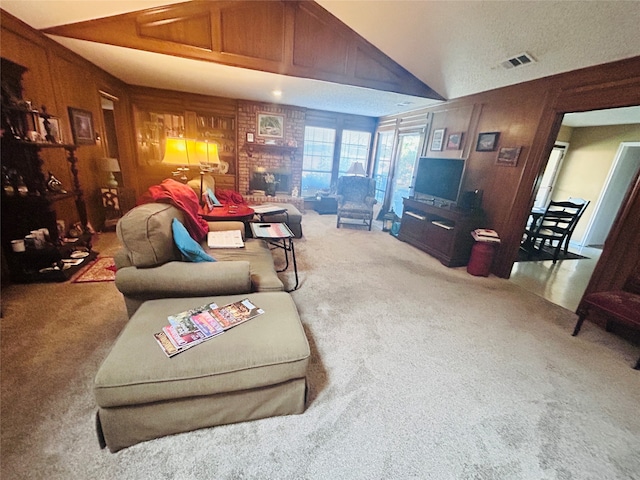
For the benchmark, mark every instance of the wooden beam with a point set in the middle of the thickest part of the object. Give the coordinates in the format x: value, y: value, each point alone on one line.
x: 293, y: 38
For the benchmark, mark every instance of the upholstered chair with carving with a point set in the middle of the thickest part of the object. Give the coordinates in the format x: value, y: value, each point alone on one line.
x: 356, y: 197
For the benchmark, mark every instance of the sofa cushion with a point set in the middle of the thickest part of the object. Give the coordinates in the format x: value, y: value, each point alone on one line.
x: 190, y: 249
x: 146, y: 235
x: 264, y: 277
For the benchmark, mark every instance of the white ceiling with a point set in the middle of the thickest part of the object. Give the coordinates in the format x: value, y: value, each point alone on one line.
x: 455, y: 47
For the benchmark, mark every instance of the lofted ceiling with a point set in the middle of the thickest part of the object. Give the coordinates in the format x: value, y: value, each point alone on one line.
x: 454, y: 47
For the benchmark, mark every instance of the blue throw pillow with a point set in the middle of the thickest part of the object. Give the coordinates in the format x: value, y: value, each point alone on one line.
x: 190, y: 249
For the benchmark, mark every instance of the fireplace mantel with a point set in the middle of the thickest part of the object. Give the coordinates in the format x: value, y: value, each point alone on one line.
x: 283, y: 150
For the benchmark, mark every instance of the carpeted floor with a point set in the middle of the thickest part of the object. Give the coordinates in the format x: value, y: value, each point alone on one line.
x: 418, y: 371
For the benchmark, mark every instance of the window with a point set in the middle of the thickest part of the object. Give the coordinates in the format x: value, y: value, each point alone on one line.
x: 318, y: 169
x: 408, y: 144
x: 317, y: 162
x: 353, y: 148
x: 382, y: 168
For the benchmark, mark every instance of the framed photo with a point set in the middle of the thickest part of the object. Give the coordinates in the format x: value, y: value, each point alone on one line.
x: 454, y: 140
x: 250, y: 137
x: 508, y: 156
x: 437, y: 140
x: 82, y: 126
x: 487, y: 142
x: 270, y: 125
x: 55, y: 135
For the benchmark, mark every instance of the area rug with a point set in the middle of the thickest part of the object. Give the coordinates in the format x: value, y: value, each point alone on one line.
x: 103, y: 269
x: 525, y: 256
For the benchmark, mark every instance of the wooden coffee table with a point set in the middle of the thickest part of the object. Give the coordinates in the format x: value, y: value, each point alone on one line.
x: 240, y: 213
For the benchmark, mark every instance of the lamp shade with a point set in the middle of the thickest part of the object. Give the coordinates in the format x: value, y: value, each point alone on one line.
x: 356, y: 168
x: 109, y: 165
x: 207, y: 153
x: 176, y: 151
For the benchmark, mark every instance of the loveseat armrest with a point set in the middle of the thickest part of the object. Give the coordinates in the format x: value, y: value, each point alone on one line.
x: 182, y: 279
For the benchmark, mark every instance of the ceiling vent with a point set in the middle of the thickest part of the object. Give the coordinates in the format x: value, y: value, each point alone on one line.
x: 518, y: 61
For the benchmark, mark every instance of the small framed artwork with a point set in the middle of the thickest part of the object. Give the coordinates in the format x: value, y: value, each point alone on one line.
x: 454, y: 140
x: 487, y: 142
x: 270, y: 125
x: 53, y: 134
x: 82, y: 126
x: 508, y: 156
x: 250, y: 137
x: 437, y: 140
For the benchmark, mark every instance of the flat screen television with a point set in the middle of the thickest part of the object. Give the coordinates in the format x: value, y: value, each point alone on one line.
x: 438, y: 179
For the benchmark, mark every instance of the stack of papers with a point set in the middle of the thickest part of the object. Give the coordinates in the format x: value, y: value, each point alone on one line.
x: 485, y: 235
x: 225, y: 239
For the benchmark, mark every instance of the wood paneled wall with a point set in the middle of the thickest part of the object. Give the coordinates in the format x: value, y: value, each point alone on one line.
x: 528, y: 115
x: 58, y: 79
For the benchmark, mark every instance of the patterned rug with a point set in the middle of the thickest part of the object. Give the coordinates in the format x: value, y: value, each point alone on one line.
x: 103, y: 269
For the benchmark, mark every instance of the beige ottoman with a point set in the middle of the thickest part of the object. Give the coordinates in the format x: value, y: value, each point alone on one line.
x: 254, y: 370
x: 293, y: 218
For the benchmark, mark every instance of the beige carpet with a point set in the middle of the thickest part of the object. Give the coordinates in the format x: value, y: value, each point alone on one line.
x: 418, y: 371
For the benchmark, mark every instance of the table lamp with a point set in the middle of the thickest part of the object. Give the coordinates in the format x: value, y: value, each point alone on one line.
x: 110, y: 165
x: 176, y: 153
x: 356, y: 168
x: 208, y: 158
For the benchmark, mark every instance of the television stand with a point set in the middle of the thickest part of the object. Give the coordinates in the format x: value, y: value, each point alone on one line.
x: 443, y: 232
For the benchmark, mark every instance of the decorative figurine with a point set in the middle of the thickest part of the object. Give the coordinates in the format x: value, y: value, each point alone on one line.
x: 54, y: 185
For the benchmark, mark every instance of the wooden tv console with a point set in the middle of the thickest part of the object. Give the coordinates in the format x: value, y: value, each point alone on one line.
x: 442, y: 231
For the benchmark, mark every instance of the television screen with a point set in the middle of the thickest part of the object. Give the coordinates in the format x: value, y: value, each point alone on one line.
x: 439, y: 177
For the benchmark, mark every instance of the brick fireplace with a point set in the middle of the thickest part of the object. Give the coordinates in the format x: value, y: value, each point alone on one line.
x: 280, y: 157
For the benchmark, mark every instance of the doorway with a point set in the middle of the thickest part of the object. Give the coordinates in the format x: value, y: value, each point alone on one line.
x: 406, y: 157
x: 554, y: 164
x: 623, y: 171
x: 565, y: 282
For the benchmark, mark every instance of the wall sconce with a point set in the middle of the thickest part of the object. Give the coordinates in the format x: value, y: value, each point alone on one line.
x: 110, y: 165
x: 176, y: 153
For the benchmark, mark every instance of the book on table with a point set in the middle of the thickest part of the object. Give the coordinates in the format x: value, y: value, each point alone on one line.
x: 225, y: 239
x: 192, y: 327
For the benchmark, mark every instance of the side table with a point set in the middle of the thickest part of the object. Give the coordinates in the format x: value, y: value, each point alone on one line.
x: 280, y: 236
x: 241, y: 213
x: 326, y: 204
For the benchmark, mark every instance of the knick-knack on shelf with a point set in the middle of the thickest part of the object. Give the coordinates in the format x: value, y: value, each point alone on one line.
x: 55, y: 185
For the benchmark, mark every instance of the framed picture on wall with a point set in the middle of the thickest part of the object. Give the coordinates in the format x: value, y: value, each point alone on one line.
x: 487, y: 141
x: 437, y: 140
x: 454, y: 140
x: 270, y: 125
x: 82, y: 126
x: 53, y: 134
x: 508, y: 156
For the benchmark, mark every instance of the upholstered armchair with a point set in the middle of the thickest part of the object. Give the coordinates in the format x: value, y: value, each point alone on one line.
x: 356, y: 197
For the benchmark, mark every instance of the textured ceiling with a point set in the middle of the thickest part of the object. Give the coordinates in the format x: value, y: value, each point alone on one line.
x: 455, y: 47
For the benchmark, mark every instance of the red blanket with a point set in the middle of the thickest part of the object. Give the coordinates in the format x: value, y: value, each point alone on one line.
x: 180, y: 196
